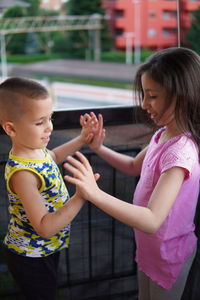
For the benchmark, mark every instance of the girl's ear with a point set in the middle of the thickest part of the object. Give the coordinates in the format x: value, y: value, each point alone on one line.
x: 9, y: 128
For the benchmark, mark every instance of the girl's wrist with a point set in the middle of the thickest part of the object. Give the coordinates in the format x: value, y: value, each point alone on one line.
x: 78, y: 197
x: 96, y: 196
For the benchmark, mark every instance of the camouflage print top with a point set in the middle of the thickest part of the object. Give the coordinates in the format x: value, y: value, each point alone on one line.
x: 21, y: 238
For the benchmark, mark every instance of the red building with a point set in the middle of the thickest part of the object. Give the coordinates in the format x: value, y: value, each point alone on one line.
x: 149, y: 23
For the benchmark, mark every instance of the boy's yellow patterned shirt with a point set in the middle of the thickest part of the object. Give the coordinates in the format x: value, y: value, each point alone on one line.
x: 21, y: 238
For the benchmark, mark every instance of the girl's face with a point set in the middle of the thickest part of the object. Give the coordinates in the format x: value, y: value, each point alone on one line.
x: 154, y: 102
x: 32, y: 131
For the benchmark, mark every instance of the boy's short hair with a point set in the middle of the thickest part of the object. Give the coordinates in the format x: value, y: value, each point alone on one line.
x: 13, y: 92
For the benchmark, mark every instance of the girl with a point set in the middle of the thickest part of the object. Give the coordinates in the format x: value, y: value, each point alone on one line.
x: 166, y: 195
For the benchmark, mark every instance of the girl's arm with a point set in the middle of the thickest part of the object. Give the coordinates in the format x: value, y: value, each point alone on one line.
x: 147, y: 219
x: 124, y: 163
x: 88, y: 123
x: 26, y: 184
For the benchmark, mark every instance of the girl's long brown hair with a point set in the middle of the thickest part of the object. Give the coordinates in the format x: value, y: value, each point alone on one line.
x: 177, y: 70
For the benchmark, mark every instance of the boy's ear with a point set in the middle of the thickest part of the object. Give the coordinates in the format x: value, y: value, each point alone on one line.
x: 9, y: 128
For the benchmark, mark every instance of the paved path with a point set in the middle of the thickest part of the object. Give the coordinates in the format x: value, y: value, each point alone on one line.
x: 79, y: 96
x: 77, y: 68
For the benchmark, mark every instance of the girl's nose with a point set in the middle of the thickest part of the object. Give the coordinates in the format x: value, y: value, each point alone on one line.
x: 144, y: 103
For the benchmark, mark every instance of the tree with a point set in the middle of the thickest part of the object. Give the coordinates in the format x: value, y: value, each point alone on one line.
x: 78, y: 42
x: 34, y: 8
x: 15, y: 42
x: 192, y: 36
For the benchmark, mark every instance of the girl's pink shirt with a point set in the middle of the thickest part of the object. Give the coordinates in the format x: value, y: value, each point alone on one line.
x: 161, y: 255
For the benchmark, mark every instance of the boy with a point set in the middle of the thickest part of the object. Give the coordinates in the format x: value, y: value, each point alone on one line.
x: 39, y: 204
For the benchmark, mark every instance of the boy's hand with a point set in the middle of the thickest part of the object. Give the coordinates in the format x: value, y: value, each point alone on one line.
x: 98, y: 133
x: 89, y: 124
x: 83, y: 176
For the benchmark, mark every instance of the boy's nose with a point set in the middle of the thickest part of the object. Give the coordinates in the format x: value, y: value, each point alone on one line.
x: 49, y: 128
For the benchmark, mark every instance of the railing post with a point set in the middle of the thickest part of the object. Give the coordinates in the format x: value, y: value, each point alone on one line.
x: 4, y: 71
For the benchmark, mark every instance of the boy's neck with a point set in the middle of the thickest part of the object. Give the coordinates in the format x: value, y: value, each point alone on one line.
x: 27, y: 153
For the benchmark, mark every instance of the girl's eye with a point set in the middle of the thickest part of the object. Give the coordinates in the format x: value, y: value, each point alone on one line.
x: 152, y: 97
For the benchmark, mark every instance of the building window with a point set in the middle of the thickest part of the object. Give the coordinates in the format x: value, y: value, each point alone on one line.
x: 169, y: 32
x: 119, y: 32
x: 152, y: 14
x: 119, y: 13
x: 169, y: 14
x: 151, y: 32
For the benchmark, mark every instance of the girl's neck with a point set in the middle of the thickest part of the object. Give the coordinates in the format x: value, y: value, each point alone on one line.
x: 170, y: 131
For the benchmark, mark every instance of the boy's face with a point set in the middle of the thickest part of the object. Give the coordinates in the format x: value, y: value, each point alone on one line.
x: 33, y: 129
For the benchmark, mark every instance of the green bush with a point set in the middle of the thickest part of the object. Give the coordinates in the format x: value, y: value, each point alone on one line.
x: 23, y: 59
x: 112, y: 56
x: 119, y: 56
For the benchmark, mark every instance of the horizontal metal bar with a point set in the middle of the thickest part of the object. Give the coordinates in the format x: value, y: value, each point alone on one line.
x: 40, y: 24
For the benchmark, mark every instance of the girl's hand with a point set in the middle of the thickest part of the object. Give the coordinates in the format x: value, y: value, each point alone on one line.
x: 89, y: 125
x: 98, y: 134
x: 84, y: 178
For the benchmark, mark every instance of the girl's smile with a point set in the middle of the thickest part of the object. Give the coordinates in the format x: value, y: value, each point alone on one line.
x: 154, y: 102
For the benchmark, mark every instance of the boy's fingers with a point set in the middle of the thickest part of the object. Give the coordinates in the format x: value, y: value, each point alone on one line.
x: 84, y: 119
x: 89, y: 138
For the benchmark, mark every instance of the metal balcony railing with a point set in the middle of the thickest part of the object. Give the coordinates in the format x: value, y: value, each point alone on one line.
x: 100, y: 259
x: 99, y: 263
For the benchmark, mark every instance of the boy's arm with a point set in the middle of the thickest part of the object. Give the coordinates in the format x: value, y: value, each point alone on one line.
x: 147, y: 219
x: 126, y: 164
x: 26, y: 184
x: 88, y: 123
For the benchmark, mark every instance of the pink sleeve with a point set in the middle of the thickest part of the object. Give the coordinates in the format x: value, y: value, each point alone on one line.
x: 182, y: 158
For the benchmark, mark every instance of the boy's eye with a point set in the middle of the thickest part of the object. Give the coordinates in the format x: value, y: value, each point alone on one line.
x: 39, y: 123
x: 51, y: 117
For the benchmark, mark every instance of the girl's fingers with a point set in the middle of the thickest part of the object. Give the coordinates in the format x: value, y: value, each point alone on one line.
x: 73, y: 170
x: 97, y: 176
x: 82, y: 164
x: 83, y: 160
x: 72, y: 180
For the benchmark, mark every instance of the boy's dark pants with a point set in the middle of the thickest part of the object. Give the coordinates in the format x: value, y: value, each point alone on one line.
x: 35, y: 276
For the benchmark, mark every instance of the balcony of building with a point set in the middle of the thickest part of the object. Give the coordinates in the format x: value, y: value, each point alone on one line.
x: 99, y: 263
